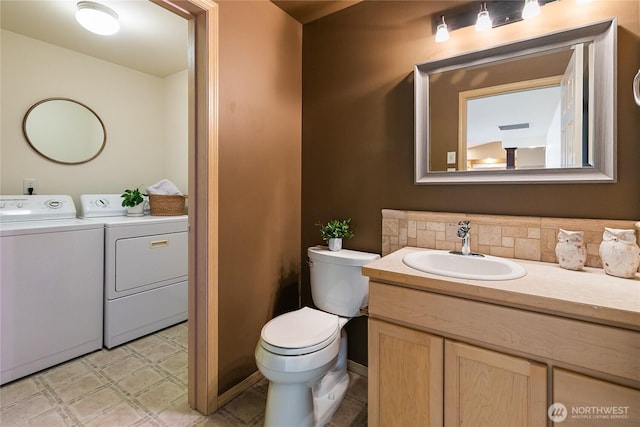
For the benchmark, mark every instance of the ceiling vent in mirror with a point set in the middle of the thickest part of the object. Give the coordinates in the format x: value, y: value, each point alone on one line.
x: 514, y: 126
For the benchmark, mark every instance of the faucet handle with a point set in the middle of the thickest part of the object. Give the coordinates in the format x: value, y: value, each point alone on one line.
x: 464, y: 229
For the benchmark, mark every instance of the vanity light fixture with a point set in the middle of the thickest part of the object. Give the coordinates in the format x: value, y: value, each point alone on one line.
x: 503, y: 12
x: 442, y: 34
x: 483, y: 22
x: 97, y: 18
x: 531, y: 9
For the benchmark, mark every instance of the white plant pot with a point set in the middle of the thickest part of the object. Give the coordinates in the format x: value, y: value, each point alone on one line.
x: 335, y: 244
x: 137, y: 210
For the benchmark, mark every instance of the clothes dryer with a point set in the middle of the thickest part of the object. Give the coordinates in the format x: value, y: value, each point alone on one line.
x: 146, y: 271
x: 51, y: 267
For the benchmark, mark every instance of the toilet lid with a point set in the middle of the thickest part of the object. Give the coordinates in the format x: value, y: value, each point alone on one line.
x: 300, y: 332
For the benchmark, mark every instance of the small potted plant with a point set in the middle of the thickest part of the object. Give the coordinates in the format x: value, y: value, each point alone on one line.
x: 334, y: 232
x: 133, y: 201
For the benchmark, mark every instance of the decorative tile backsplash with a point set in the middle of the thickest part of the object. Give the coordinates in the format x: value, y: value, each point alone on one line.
x: 520, y: 237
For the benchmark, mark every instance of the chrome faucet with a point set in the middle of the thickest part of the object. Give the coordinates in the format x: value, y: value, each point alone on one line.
x: 463, y: 233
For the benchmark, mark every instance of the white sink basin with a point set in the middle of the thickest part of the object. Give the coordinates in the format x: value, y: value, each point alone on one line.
x: 444, y: 263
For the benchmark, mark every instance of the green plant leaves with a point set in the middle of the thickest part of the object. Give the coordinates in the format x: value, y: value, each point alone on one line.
x: 335, y: 229
x: 131, y: 198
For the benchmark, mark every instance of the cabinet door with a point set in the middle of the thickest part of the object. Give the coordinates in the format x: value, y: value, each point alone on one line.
x: 591, y: 402
x: 405, y: 377
x: 487, y: 388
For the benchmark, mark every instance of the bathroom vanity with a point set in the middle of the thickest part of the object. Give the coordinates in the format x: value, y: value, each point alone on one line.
x: 554, y: 345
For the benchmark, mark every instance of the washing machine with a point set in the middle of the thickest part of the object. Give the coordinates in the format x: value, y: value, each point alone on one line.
x: 145, y: 268
x: 51, y: 267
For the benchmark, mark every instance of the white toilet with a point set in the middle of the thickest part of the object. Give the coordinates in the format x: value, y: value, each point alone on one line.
x: 303, y: 353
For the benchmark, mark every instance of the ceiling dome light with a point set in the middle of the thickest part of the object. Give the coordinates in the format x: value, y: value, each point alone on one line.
x: 97, y: 18
x: 442, y: 34
x: 484, y: 20
x: 531, y: 9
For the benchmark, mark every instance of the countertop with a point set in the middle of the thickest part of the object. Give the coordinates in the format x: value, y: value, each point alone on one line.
x: 589, y: 295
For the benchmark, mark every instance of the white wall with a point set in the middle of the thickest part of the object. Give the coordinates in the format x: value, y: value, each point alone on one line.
x: 553, y: 153
x: 176, y: 129
x: 131, y: 105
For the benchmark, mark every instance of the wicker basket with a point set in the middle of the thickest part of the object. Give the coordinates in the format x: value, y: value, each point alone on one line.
x: 164, y: 205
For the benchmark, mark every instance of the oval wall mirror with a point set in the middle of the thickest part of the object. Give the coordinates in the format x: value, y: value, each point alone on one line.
x: 64, y: 131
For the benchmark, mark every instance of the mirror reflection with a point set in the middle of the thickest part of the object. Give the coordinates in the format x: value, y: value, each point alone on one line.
x: 529, y: 112
x: 64, y: 131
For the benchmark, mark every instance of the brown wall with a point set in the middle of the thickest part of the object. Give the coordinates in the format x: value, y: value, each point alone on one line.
x: 259, y: 137
x: 357, y: 137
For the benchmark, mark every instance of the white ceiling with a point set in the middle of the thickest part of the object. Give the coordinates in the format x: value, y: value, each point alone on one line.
x: 535, y: 107
x: 151, y: 39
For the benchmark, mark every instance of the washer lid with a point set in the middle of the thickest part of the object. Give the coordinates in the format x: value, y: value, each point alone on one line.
x: 300, y: 329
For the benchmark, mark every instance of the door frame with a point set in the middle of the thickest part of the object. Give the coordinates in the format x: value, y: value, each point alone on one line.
x: 203, y: 200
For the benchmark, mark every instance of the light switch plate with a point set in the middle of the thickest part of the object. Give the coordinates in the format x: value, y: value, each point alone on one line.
x: 451, y: 157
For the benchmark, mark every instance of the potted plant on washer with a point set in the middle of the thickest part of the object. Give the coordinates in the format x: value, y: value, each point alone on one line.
x: 133, y: 201
x: 334, y: 232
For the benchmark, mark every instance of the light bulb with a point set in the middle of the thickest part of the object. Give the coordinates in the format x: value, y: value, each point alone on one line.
x: 97, y: 18
x: 484, y: 20
x: 442, y: 34
x: 531, y: 9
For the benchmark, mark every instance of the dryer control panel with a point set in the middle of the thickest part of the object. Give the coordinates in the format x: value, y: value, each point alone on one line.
x: 104, y: 205
x: 101, y: 205
x: 36, y: 208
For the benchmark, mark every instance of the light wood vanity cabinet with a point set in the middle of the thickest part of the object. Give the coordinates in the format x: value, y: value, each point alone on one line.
x: 412, y: 373
x: 406, y: 386
x: 593, y: 398
x: 487, y: 388
x: 443, y: 360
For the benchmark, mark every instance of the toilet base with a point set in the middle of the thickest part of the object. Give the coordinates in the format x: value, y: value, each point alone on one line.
x: 326, y: 405
x: 280, y: 411
x: 311, y: 402
x: 329, y: 392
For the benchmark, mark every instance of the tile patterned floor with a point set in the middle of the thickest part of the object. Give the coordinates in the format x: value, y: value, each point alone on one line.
x: 142, y: 383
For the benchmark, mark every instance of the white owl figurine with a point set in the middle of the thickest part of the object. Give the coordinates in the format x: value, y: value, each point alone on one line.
x: 570, y: 249
x: 619, y: 252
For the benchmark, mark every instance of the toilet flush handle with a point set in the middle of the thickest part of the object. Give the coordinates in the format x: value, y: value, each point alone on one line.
x: 310, y: 263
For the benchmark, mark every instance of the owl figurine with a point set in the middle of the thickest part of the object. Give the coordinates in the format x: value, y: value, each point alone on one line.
x: 570, y: 249
x: 619, y: 252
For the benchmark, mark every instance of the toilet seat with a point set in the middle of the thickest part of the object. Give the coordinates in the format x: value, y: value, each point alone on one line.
x: 300, y: 332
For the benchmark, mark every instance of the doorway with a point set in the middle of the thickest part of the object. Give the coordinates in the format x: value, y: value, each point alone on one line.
x: 203, y: 200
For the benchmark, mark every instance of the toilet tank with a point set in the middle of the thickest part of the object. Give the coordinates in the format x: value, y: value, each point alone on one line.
x: 337, y: 283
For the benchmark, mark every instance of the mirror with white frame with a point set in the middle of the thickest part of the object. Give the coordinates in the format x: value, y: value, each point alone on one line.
x: 533, y: 111
x: 64, y: 131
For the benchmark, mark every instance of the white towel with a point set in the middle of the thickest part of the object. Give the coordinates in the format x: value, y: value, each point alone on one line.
x: 164, y: 187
